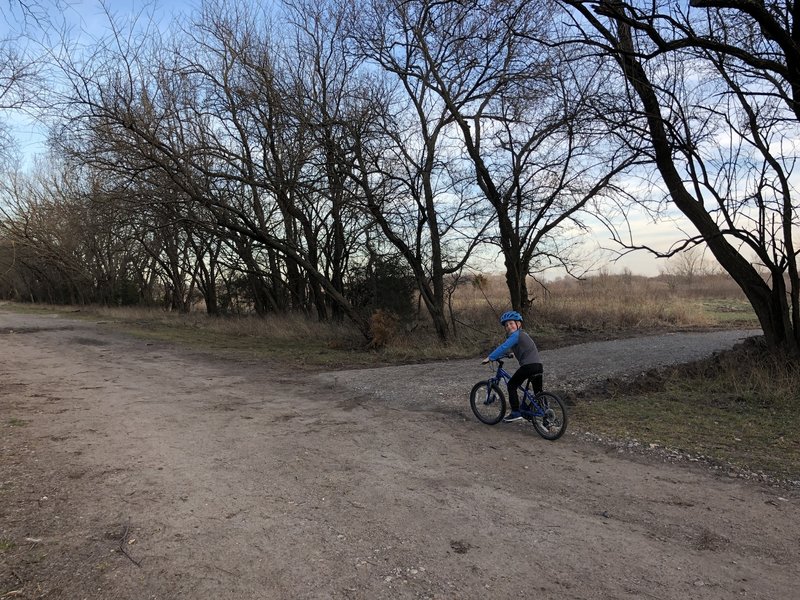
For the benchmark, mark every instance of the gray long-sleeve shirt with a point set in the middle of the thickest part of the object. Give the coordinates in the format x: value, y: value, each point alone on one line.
x: 522, y: 345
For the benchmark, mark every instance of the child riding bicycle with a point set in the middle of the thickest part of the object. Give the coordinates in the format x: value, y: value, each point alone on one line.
x: 526, y: 353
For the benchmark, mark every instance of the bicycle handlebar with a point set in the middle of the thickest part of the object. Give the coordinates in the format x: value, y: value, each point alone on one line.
x: 500, y: 361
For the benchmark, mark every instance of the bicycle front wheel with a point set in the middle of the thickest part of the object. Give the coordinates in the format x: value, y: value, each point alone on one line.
x: 487, y: 402
x: 552, y: 424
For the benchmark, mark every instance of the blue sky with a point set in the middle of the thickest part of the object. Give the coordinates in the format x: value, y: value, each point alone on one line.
x: 80, y: 19
x: 87, y: 14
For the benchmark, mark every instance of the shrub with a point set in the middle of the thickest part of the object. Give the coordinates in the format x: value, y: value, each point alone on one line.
x: 385, y: 283
x: 384, y: 326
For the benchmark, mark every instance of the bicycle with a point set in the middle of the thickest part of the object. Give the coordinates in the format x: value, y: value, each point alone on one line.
x: 544, y: 410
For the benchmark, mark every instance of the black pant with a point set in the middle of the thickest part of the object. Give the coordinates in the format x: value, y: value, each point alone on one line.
x: 533, y: 372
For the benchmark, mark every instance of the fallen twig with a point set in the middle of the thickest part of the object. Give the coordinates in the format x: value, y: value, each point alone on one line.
x: 122, y: 547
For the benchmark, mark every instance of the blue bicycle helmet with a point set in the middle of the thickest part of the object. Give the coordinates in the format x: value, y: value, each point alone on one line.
x: 510, y: 315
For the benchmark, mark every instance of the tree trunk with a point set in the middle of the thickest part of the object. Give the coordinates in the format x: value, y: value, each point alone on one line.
x: 770, y: 305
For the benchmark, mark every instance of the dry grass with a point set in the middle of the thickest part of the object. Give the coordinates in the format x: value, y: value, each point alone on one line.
x: 292, y: 338
x: 604, y: 306
x: 563, y: 311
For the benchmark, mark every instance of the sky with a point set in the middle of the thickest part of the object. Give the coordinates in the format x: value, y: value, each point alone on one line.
x: 660, y: 235
x: 80, y: 18
x: 88, y: 18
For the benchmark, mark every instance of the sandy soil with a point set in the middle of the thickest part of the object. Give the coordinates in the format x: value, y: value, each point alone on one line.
x: 137, y: 470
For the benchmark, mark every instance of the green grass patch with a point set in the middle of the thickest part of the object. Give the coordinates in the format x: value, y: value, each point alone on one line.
x: 14, y: 422
x: 745, y: 434
x: 296, y: 352
x: 26, y: 307
x: 730, y: 312
x: 311, y: 351
x: 739, y: 408
x: 6, y: 545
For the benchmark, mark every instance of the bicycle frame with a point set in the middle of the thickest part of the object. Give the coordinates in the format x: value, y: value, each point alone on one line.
x: 544, y: 410
x: 528, y: 404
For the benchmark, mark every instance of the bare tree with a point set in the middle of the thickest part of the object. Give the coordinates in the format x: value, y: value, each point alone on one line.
x: 409, y: 171
x: 329, y: 80
x: 217, y: 119
x: 19, y: 68
x: 684, y: 267
x: 284, y: 107
x: 714, y: 92
x: 71, y: 245
x: 508, y: 110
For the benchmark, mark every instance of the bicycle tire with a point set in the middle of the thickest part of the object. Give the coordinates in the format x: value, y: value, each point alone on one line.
x: 553, y: 423
x: 488, y: 402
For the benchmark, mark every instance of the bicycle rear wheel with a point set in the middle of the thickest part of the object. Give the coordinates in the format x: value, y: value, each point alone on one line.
x: 553, y: 423
x: 487, y: 402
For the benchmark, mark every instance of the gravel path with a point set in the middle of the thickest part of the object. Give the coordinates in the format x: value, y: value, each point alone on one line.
x: 445, y: 386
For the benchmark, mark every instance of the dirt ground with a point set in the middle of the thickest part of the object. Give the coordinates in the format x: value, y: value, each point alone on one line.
x: 135, y: 470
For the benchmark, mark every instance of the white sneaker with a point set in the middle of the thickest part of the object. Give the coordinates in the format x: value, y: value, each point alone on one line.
x: 514, y: 415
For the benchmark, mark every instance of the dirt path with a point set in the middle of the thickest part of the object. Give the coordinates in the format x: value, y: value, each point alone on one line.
x: 225, y: 480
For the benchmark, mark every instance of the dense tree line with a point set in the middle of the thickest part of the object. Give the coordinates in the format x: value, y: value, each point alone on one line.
x: 276, y: 171
x: 300, y: 158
